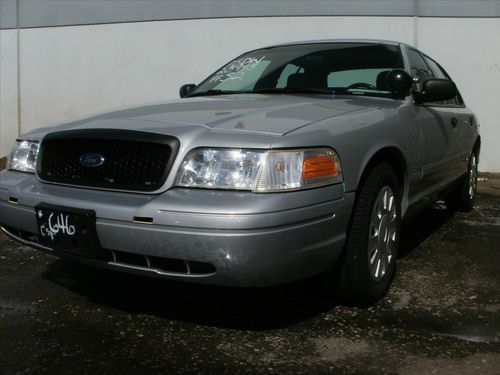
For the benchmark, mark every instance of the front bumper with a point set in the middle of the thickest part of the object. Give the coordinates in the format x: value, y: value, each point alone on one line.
x: 248, y: 239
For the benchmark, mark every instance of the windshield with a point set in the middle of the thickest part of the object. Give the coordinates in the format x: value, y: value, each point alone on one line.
x: 326, y: 68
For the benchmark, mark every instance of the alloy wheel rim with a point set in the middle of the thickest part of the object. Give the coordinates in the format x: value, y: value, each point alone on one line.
x: 472, y: 177
x: 383, y: 233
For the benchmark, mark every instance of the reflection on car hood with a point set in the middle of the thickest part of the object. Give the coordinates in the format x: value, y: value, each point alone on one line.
x: 255, y: 113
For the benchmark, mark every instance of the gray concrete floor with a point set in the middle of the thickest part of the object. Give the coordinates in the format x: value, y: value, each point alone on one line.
x: 441, y: 316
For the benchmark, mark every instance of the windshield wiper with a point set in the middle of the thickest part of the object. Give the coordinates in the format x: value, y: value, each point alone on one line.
x: 216, y: 92
x: 270, y: 90
x: 291, y: 90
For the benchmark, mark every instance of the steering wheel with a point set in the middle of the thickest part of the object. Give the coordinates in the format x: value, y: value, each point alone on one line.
x: 361, y: 85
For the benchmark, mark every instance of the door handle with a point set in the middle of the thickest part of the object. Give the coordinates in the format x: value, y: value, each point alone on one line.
x: 454, y: 121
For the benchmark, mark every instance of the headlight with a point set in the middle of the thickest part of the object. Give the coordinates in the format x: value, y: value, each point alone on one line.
x: 220, y: 169
x: 259, y: 170
x: 23, y: 156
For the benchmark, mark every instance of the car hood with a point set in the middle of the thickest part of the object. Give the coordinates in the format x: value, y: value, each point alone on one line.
x: 274, y: 115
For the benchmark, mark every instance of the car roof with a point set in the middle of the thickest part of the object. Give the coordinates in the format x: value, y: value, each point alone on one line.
x: 325, y: 41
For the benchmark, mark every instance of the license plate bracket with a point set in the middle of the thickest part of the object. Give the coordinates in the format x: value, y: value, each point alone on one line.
x: 67, y: 229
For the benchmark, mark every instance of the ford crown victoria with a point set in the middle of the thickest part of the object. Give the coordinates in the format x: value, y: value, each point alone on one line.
x: 287, y: 162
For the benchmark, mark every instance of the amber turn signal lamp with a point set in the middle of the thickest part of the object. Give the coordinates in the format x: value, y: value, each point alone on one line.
x: 318, y: 166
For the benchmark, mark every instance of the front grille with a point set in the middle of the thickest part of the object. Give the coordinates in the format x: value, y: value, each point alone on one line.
x: 129, y: 160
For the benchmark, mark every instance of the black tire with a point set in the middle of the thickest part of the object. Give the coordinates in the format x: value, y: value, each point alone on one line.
x: 359, y: 283
x: 464, y: 196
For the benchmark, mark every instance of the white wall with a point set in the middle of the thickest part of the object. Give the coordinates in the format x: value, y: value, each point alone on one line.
x: 8, y: 89
x: 72, y: 71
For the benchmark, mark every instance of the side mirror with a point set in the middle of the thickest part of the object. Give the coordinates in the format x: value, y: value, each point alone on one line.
x: 399, y: 82
x: 186, y: 89
x: 434, y: 90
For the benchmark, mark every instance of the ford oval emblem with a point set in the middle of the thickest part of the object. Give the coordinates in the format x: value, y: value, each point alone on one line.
x: 91, y: 160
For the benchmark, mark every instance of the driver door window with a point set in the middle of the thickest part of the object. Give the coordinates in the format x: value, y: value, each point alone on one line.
x: 419, y: 68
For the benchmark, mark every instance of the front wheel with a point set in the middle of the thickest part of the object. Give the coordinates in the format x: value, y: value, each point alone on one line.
x: 369, y: 261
